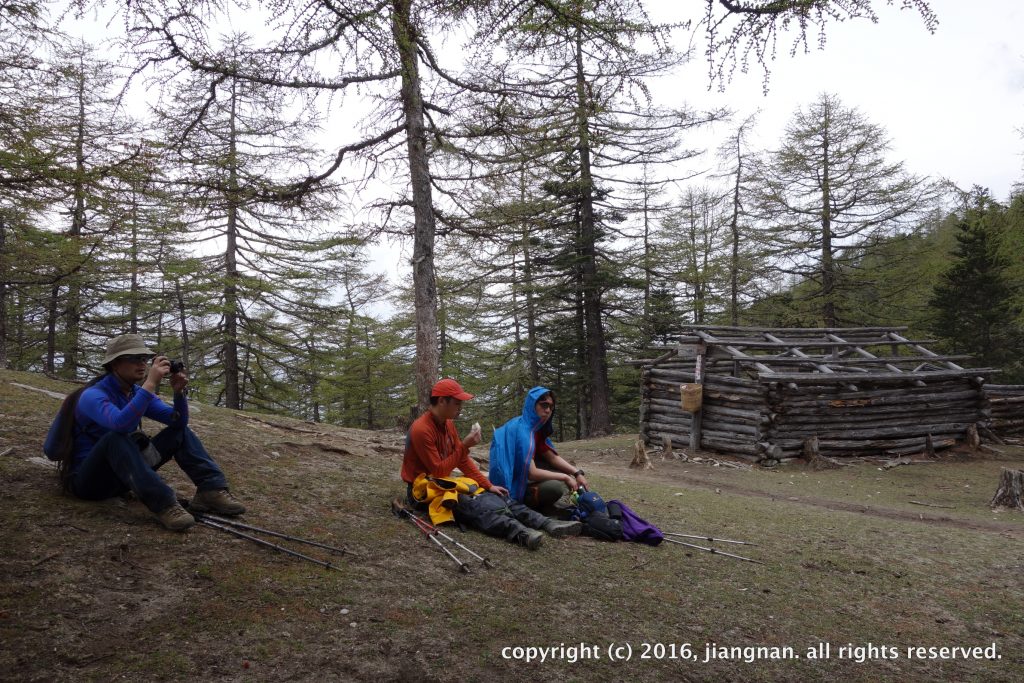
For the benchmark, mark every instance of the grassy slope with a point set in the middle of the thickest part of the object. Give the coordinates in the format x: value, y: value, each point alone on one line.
x: 98, y: 591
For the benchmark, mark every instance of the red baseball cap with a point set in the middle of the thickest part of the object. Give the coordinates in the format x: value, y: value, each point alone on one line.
x: 449, y: 387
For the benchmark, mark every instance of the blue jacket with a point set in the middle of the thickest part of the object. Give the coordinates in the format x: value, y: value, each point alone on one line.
x: 103, y: 408
x: 513, y: 446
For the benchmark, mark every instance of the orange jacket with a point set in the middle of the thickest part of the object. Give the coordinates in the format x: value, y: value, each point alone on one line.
x: 431, y: 449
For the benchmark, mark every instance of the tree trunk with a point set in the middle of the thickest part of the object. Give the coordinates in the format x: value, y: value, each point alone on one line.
x: 49, y: 363
x: 423, y: 276
x: 582, y: 426
x: 828, y: 282
x: 182, y: 321
x: 134, y: 294
x: 232, y: 389
x: 531, y: 314
x: 3, y: 293
x: 734, y: 229
x: 649, y: 326
x: 600, y: 417
x: 73, y: 312
x: 527, y: 288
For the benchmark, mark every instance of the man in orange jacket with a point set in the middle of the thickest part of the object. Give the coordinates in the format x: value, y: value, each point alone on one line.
x: 433, y: 448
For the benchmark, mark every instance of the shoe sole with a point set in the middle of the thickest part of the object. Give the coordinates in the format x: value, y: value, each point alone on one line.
x: 567, y: 531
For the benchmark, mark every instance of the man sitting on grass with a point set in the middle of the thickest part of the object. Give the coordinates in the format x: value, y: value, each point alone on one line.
x: 103, y: 453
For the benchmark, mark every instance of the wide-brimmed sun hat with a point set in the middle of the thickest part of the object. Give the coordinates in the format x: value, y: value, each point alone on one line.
x: 126, y: 345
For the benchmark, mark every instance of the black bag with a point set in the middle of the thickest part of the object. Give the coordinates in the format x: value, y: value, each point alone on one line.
x: 602, y: 527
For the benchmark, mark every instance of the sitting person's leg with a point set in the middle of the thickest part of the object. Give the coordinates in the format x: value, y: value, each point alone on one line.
x: 542, y: 495
x: 489, y: 513
x: 115, y: 466
x: 535, y: 520
x: 212, y: 493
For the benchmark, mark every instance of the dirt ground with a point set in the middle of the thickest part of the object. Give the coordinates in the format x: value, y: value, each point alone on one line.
x: 878, y: 561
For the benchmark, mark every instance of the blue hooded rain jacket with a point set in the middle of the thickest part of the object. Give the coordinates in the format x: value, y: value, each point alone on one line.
x: 513, y: 446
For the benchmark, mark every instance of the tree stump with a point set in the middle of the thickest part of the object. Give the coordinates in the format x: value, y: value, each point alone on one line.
x: 640, y: 460
x: 814, y: 458
x: 1010, y: 493
x: 973, y: 440
x: 666, y: 447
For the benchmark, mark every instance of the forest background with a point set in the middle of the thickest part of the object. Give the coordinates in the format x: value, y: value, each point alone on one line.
x: 188, y: 181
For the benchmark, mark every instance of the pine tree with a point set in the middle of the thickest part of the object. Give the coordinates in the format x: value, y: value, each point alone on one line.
x: 828, y: 195
x: 233, y: 146
x: 973, y: 298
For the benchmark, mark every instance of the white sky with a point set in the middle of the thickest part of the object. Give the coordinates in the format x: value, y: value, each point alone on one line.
x: 952, y: 102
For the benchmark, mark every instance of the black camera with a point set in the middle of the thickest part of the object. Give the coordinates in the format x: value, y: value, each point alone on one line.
x: 176, y: 367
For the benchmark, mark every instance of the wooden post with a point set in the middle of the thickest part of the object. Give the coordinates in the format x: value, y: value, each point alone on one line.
x: 698, y: 378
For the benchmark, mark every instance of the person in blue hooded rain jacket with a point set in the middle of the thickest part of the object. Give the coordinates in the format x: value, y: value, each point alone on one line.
x: 524, y: 460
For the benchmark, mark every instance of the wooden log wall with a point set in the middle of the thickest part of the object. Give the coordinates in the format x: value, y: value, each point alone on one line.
x: 761, y: 419
x: 1006, y: 402
x: 880, y: 420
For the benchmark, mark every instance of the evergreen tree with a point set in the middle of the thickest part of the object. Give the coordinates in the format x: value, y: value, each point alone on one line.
x: 569, y: 93
x: 973, y: 298
x: 233, y: 146
x: 828, y: 195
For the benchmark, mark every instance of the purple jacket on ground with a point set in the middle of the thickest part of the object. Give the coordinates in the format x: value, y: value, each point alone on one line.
x: 634, y: 528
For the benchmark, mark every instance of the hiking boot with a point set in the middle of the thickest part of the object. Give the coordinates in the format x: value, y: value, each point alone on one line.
x: 176, y: 518
x: 219, y: 501
x: 528, y: 538
x: 558, y: 529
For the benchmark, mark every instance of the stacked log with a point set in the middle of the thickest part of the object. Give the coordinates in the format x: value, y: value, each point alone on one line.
x: 1006, y: 403
x: 877, y: 420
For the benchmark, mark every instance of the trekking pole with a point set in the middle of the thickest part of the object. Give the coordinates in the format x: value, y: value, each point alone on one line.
x: 240, y: 525
x: 428, y: 530
x: 713, y: 551
x: 280, y: 548
x: 707, y: 538
x: 424, y: 524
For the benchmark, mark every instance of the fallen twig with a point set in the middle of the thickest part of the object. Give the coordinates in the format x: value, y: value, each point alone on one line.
x: 53, y: 394
x: 932, y: 505
x: 45, y: 559
x: 316, y: 444
x: 905, y: 461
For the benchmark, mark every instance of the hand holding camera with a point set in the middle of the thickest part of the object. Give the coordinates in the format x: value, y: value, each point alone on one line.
x: 179, y: 380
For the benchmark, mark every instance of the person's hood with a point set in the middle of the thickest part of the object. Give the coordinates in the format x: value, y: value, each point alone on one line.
x: 530, y: 408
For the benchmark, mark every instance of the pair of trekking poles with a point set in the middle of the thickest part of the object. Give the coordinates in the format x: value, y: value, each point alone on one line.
x: 713, y: 551
x: 241, y: 530
x: 434, y: 534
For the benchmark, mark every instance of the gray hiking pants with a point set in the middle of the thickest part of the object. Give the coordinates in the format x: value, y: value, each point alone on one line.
x: 497, y: 516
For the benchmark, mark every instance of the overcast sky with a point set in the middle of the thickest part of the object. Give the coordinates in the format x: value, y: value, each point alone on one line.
x: 952, y: 102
